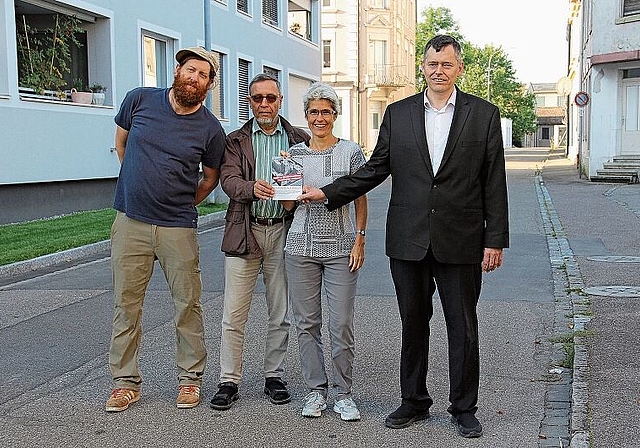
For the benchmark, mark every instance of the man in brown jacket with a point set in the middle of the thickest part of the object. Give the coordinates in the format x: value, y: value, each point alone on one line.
x: 255, y: 234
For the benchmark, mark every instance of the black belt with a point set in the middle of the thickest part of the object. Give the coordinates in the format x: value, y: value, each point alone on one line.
x: 270, y: 221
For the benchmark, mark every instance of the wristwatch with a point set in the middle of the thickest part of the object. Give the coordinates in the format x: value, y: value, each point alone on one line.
x: 361, y: 232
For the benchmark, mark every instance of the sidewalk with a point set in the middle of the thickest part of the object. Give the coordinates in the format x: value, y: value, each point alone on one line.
x: 600, y: 224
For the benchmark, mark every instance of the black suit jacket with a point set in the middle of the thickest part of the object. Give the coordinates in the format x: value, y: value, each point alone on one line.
x: 457, y: 212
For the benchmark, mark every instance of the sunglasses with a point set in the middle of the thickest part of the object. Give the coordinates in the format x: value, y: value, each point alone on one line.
x: 271, y: 98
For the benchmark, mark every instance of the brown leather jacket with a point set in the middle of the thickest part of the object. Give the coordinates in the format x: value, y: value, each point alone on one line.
x: 237, y: 176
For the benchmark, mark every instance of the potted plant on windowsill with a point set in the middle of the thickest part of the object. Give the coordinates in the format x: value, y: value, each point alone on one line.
x: 98, y: 94
x: 44, y: 54
x: 79, y: 94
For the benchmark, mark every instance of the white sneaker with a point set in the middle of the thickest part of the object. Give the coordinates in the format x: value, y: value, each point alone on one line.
x: 347, y: 409
x: 314, y: 404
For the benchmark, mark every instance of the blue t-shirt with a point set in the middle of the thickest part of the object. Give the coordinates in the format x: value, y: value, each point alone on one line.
x: 160, y: 171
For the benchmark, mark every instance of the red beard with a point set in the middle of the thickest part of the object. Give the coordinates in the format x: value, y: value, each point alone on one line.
x: 188, y: 93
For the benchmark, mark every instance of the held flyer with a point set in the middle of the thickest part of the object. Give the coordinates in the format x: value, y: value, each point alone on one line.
x: 286, y: 177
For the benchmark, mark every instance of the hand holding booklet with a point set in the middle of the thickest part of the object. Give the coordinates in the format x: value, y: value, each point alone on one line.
x: 286, y: 178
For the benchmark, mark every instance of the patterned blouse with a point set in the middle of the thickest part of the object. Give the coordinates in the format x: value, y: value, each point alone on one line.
x: 316, y: 231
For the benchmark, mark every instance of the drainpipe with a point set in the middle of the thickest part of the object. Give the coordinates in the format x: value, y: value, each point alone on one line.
x: 207, y: 38
x: 213, y: 197
x: 358, y: 76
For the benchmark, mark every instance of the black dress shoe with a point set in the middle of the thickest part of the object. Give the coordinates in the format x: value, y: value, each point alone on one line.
x: 277, y: 391
x: 226, y: 395
x: 404, y: 416
x: 467, y: 424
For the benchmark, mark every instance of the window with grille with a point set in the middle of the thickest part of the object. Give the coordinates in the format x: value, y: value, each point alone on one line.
x: 270, y: 12
x: 271, y: 72
x: 631, y: 7
x: 243, y: 6
x: 243, y: 89
x: 217, y: 93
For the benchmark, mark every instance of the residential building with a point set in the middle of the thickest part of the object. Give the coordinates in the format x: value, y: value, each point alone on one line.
x: 57, y: 155
x: 550, y: 116
x: 368, y: 50
x: 604, y: 113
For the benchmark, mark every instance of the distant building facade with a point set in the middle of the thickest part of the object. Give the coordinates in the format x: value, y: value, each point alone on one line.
x: 604, y: 54
x: 368, y: 50
x: 550, y: 116
x: 57, y: 155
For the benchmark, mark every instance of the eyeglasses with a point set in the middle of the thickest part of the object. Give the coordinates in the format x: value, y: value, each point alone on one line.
x: 323, y: 112
x: 271, y: 98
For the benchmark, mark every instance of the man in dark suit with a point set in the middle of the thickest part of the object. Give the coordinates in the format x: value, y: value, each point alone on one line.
x: 447, y: 222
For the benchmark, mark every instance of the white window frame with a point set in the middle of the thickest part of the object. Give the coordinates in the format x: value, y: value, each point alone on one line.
x: 327, y: 50
x: 301, y: 18
x: 171, y: 39
x: 97, y: 22
x: 221, y: 90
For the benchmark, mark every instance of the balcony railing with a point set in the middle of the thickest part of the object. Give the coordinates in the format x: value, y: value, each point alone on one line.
x: 387, y: 75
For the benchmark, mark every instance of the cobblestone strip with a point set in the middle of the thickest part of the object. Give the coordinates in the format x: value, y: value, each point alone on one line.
x: 565, y: 421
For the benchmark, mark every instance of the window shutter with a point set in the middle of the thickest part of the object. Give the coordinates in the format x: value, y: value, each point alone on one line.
x: 217, y: 94
x: 271, y: 72
x: 270, y: 12
x: 243, y: 6
x: 243, y: 89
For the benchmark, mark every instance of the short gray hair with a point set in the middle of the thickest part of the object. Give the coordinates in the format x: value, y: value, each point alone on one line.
x: 264, y: 77
x: 321, y: 91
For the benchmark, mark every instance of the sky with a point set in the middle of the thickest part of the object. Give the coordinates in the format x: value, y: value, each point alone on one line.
x: 532, y: 34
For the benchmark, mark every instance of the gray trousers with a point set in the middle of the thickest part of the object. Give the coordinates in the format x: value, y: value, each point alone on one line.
x: 306, y: 275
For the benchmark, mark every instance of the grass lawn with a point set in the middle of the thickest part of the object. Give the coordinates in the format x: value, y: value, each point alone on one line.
x: 23, y: 241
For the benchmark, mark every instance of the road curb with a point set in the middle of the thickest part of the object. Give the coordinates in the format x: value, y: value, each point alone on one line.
x: 571, y: 315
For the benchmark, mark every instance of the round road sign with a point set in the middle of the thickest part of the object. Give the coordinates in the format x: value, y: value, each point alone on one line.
x: 581, y: 99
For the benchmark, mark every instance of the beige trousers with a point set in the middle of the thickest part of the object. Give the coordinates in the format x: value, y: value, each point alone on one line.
x: 134, y: 247
x: 241, y: 276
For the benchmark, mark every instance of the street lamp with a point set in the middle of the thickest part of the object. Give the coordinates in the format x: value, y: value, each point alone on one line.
x: 489, y: 76
x: 491, y: 54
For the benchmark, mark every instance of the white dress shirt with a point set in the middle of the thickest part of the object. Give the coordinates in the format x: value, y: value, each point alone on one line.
x: 437, y: 126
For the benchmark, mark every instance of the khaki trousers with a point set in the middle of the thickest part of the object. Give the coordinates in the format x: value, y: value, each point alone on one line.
x: 134, y: 247
x: 240, y: 281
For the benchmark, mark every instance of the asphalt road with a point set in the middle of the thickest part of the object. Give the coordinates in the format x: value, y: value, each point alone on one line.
x: 55, y: 328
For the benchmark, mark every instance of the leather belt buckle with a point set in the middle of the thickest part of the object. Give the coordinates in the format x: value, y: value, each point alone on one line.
x: 270, y: 221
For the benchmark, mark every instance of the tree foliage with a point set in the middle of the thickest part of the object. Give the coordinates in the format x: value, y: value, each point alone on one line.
x: 488, y: 72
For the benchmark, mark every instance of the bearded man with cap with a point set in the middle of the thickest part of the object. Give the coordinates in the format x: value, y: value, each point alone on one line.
x: 163, y: 137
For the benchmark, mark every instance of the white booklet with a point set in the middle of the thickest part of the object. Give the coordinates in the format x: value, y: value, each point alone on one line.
x: 286, y: 177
